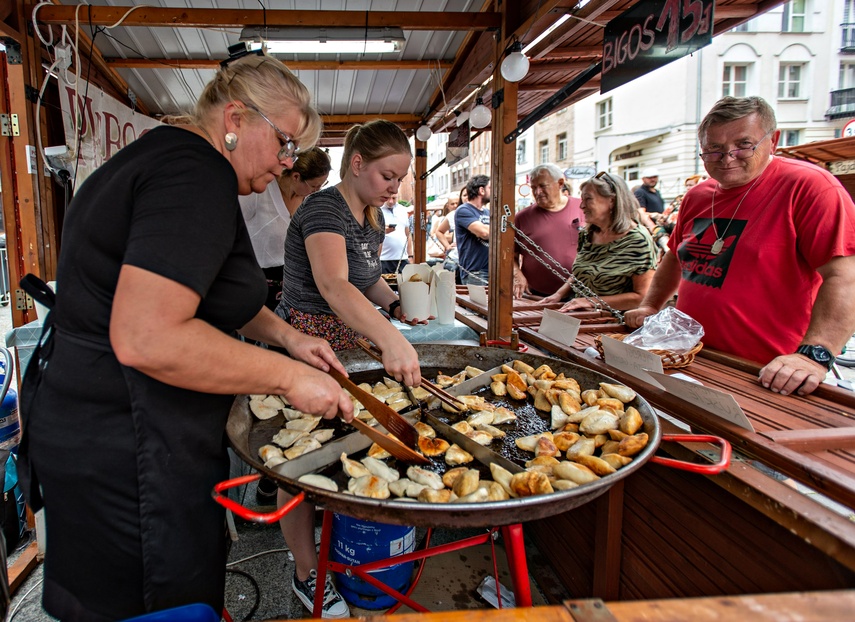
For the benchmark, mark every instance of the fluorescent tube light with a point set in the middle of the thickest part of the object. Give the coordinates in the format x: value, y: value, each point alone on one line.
x: 290, y: 40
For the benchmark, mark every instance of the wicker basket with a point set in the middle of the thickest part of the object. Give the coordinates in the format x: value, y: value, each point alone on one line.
x: 670, y: 360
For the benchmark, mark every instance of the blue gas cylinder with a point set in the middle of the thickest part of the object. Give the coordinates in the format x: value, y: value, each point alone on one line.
x: 356, y: 542
x: 10, y: 423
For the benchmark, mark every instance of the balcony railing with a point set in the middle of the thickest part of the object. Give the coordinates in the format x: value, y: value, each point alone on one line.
x: 842, y: 104
x: 848, y: 37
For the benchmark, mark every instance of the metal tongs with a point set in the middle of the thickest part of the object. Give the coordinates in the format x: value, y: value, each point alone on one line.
x: 438, y: 392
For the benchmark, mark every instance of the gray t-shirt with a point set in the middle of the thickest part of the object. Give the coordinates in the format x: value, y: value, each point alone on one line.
x: 326, y: 212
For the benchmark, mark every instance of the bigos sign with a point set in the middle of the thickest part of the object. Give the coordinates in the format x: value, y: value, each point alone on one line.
x: 652, y: 34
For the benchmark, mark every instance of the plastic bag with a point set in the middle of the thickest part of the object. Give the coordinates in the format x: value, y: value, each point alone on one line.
x: 669, y: 329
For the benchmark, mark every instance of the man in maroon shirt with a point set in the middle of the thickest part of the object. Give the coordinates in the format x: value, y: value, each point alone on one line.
x: 553, y: 223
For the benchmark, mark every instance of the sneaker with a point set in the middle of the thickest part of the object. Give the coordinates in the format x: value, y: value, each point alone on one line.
x: 334, y: 605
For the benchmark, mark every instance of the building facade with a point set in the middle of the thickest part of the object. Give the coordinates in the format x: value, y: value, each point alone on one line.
x: 795, y: 56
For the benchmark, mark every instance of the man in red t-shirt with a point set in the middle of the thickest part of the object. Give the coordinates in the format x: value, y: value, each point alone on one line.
x: 763, y: 254
x: 553, y: 223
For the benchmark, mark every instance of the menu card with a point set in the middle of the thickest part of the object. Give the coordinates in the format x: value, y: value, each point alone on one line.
x: 634, y: 361
x: 559, y: 327
x: 478, y: 294
x: 712, y: 400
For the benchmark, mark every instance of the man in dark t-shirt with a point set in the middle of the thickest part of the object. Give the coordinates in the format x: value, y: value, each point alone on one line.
x: 472, y: 232
x: 648, y: 196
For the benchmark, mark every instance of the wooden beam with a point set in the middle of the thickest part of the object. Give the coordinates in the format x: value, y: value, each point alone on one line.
x: 152, y: 17
x: 295, y: 65
x: 609, y: 543
x: 540, y: 66
x: 823, y: 439
x: 583, y: 51
x: 22, y: 567
x: 590, y: 12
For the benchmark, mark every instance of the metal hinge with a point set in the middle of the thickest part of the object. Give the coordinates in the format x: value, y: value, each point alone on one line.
x: 23, y: 300
x: 505, y: 217
x: 13, y: 51
x: 9, y: 125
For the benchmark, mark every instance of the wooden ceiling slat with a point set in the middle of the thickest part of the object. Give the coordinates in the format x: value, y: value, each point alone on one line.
x: 151, y: 17
x: 306, y: 65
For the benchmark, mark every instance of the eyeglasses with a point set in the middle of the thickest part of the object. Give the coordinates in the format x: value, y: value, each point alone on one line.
x: 743, y: 153
x: 289, y: 148
x: 316, y: 187
x: 606, y: 178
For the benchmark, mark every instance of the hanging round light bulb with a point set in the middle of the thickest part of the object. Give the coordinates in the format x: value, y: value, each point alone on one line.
x: 480, y: 115
x: 423, y: 133
x: 515, y: 65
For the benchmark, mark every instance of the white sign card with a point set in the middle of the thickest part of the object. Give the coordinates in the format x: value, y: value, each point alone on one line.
x: 559, y: 327
x: 712, y: 400
x: 634, y: 361
x: 478, y: 294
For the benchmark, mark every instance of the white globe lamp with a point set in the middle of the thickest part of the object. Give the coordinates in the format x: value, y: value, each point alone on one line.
x: 515, y: 66
x: 480, y: 115
x: 423, y: 133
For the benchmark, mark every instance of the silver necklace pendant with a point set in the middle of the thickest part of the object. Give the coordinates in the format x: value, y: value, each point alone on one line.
x: 717, y: 246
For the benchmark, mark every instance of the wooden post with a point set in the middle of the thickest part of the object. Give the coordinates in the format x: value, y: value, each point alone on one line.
x: 503, y: 182
x: 19, y: 182
x: 420, y: 218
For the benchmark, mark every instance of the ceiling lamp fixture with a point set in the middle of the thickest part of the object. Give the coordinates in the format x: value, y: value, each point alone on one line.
x: 515, y: 65
x: 423, y: 133
x: 339, y: 40
x: 480, y: 115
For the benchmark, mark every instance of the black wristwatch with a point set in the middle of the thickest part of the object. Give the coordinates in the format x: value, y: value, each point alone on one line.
x: 818, y: 354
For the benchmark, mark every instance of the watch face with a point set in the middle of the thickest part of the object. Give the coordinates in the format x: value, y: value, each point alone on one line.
x: 820, y: 354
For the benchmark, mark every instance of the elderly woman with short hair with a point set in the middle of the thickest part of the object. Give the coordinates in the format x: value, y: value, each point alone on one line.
x: 616, y: 257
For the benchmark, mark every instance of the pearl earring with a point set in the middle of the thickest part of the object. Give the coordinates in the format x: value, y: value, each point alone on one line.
x: 231, y: 141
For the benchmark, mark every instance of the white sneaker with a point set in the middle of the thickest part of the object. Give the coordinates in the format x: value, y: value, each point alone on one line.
x: 334, y: 605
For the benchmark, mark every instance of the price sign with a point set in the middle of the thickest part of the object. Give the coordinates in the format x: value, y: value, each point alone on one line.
x: 849, y: 129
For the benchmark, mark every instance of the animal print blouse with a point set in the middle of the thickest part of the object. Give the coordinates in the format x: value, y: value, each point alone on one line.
x: 608, y: 268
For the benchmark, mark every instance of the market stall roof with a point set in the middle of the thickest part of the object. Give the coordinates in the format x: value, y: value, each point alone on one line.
x: 822, y: 152
x: 165, y: 54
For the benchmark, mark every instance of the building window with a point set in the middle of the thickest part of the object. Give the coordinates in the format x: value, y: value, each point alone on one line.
x: 631, y: 173
x: 794, y: 16
x: 604, y: 114
x: 734, y: 80
x: 562, y: 147
x: 846, y: 79
x: 790, y: 138
x: 521, y: 149
x: 790, y: 80
x: 544, y: 152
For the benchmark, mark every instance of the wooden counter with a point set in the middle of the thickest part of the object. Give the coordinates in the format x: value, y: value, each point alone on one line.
x: 671, y: 534
x: 791, y: 607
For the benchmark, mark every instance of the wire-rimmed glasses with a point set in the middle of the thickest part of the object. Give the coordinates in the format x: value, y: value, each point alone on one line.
x: 743, y: 153
x: 289, y: 147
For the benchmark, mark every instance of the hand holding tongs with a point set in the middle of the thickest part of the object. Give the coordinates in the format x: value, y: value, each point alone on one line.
x: 442, y: 395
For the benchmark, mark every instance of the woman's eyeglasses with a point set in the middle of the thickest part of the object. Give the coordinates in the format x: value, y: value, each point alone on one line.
x: 289, y: 148
x: 606, y: 178
x: 743, y: 153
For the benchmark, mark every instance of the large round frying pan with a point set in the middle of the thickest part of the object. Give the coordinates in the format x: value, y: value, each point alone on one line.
x: 247, y: 434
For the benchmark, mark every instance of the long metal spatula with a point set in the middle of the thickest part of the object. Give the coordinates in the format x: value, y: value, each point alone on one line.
x: 388, y: 418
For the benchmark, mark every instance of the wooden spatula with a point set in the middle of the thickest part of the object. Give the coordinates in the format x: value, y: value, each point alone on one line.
x: 388, y: 418
x: 390, y: 444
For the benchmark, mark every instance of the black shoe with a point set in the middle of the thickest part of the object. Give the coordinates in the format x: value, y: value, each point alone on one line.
x: 265, y: 491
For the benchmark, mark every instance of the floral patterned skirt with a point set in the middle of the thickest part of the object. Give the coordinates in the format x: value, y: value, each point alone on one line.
x: 329, y: 327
